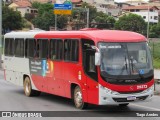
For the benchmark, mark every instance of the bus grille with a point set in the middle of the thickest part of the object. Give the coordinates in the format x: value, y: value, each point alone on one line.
x: 131, y: 92
x: 125, y: 99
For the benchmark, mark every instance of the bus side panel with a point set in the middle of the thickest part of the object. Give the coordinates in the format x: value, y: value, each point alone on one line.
x: 15, y: 68
x: 55, y: 79
x: 73, y: 75
x: 92, y: 90
x: 39, y: 82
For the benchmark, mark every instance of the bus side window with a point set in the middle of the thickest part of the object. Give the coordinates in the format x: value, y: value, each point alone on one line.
x: 71, y: 50
x: 9, y: 47
x: 30, y: 48
x: 42, y: 48
x: 19, y: 47
x: 56, y: 47
x: 89, y: 59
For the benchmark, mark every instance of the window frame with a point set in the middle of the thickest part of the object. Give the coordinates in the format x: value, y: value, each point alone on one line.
x: 20, y: 48
x: 40, y: 46
x: 27, y: 47
x: 56, y: 39
x: 78, y: 39
x: 12, y: 50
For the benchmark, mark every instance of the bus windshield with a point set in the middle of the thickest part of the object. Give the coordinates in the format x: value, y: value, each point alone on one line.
x: 125, y: 59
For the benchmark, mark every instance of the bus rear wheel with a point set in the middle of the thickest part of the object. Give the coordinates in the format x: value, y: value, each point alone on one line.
x: 28, y: 88
x: 78, y: 99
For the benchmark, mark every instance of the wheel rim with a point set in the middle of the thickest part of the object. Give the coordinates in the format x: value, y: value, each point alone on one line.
x: 27, y: 87
x: 78, y: 99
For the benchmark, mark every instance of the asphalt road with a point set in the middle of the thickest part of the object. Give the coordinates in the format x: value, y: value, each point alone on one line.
x: 12, y: 98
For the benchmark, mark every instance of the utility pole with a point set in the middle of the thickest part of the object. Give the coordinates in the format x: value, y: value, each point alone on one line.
x: 55, y: 22
x: 148, y: 22
x: 87, y: 17
x: 0, y: 30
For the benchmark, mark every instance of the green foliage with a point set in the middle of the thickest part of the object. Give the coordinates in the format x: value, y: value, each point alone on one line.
x: 131, y: 22
x: 155, y: 31
x: 11, y: 20
x: 29, y: 16
x: 155, y: 50
x: 36, y: 4
x: 92, y: 11
x: 26, y: 24
x: 62, y: 21
x: 44, y: 21
x: 46, y: 7
x: 104, y: 21
x: 46, y: 18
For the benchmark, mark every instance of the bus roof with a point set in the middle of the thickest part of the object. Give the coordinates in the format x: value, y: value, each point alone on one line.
x: 96, y: 35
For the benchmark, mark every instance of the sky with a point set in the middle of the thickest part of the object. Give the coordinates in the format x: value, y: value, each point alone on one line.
x: 127, y: 0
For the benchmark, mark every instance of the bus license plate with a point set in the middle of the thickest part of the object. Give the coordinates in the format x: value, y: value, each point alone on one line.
x: 131, y: 98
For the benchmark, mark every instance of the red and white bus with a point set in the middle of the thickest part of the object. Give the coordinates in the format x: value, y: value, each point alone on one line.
x: 102, y: 67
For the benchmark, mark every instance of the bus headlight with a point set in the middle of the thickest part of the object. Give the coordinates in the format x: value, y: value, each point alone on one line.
x: 109, y: 91
x: 149, y: 89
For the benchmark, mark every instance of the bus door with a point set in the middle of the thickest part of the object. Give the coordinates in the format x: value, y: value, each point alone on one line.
x: 90, y: 70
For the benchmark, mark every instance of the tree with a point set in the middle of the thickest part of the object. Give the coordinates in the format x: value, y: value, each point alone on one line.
x: 155, y: 31
x: 131, y: 22
x: 104, y: 21
x: 92, y: 11
x: 36, y: 4
x: 29, y: 16
x: 11, y: 20
x: 45, y: 18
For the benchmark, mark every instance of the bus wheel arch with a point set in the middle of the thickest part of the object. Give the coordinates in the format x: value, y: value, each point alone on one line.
x: 76, y: 95
x: 27, y: 85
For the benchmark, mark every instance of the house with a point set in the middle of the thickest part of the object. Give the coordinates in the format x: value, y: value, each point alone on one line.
x: 149, y: 13
x: 23, y: 6
x: 136, y: 2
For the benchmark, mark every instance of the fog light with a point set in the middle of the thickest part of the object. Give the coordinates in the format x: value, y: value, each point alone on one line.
x: 104, y: 98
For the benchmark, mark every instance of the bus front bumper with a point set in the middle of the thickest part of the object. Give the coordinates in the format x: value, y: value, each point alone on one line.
x: 108, y: 97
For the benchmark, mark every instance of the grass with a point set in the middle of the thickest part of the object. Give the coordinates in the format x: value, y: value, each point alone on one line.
x: 155, y: 50
x: 156, y: 63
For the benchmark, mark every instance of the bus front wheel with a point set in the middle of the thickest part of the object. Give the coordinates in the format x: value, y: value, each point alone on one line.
x: 78, y: 99
x: 28, y: 88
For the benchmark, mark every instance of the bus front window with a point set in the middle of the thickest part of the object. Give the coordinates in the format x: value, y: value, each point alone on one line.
x: 125, y: 60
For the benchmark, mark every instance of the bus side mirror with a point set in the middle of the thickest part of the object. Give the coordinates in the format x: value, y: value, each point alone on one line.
x: 97, y: 58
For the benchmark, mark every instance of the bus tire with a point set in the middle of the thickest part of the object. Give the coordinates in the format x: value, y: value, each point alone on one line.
x: 78, y: 99
x: 123, y: 105
x: 28, y: 88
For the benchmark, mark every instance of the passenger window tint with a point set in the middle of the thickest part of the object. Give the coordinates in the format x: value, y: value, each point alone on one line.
x: 19, y: 47
x: 56, y: 47
x: 9, y: 47
x: 42, y: 48
x: 30, y: 48
x: 71, y: 50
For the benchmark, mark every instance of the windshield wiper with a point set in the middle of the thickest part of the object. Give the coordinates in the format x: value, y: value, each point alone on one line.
x: 125, y: 67
x: 133, y: 67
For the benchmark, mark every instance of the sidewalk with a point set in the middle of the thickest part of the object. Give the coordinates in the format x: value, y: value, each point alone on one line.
x: 157, y: 82
x: 157, y: 74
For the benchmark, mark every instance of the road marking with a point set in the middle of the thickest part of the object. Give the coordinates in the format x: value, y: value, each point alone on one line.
x: 156, y: 109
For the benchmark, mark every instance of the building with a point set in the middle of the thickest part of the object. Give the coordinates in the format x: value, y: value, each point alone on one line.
x: 136, y: 2
x: 149, y: 13
x: 43, y: 1
x: 23, y: 6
